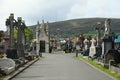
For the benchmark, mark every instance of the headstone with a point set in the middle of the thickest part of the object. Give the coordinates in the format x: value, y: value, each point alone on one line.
x: 77, y: 47
x: 20, y: 37
x: 7, y: 65
x: 11, y: 51
x: 106, y: 46
x: 86, y: 47
x: 92, y: 48
x: 86, y: 44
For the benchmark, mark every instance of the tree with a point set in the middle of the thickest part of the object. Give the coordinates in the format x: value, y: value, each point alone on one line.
x: 28, y: 33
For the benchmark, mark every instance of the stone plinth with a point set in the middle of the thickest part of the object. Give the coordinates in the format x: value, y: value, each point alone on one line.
x: 106, y: 46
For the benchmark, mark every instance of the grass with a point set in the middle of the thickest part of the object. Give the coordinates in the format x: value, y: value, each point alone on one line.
x: 100, y: 67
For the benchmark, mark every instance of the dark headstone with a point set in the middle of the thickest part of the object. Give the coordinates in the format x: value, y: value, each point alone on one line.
x: 12, y: 53
x: 106, y: 46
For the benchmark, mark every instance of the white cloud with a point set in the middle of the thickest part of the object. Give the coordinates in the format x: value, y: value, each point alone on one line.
x: 95, y: 8
x: 55, y: 10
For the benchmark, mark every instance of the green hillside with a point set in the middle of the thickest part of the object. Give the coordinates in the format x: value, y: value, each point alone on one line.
x: 76, y: 26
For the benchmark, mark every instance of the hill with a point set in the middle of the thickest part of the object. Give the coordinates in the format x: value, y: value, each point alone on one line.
x: 76, y: 26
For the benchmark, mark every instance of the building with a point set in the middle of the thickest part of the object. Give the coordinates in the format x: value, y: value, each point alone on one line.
x: 42, y: 37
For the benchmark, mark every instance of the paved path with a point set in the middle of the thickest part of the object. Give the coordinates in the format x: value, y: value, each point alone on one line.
x: 61, y: 67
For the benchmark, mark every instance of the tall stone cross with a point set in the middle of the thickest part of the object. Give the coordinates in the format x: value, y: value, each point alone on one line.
x: 10, y: 23
x: 21, y: 35
x: 107, y: 28
x: 99, y: 28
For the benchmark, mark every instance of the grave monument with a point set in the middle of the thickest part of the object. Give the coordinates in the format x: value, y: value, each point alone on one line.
x: 107, y: 40
x: 20, y: 37
x: 92, y: 48
x: 11, y: 51
x: 42, y: 37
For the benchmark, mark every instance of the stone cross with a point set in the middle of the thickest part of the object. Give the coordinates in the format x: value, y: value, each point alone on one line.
x: 107, y: 28
x: 99, y: 28
x: 21, y: 35
x: 11, y: 23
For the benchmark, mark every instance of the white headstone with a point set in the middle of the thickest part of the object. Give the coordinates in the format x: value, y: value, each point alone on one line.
x: 77, y: 47
x: 86, y: 44
x: 92, y: 48
x: 7, y: 65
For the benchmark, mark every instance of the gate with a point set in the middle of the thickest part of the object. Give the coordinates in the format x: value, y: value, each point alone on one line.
x: 42, y: 46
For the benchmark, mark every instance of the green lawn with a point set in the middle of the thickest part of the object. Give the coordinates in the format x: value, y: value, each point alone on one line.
x: 100, y: 67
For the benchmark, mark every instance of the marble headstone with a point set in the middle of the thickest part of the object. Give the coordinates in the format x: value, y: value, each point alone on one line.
x: 92, y: 48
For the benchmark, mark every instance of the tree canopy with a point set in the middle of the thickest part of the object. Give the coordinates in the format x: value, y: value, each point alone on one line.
x: 28, y: 34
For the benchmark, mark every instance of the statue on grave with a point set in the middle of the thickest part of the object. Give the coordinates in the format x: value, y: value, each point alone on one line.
x: 107, y: 28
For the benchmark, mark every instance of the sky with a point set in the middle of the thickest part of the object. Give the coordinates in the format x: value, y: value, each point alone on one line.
x: 57, y: 10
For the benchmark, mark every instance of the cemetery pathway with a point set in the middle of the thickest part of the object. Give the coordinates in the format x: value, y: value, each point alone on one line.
x: 61, y: 67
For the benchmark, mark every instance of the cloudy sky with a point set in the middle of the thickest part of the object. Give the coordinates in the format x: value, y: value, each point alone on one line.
x: 57, y: 10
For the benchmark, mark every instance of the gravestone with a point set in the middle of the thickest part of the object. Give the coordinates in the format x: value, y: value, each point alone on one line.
x: 7, y: 65
x: 11, y: 51
x: 92, y: 48
x: 107, y: 40
x: 106, y: 46
x: 20, y: 37
x: 77, y: 46
x: 108, y: 51
x: 86, y: 47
